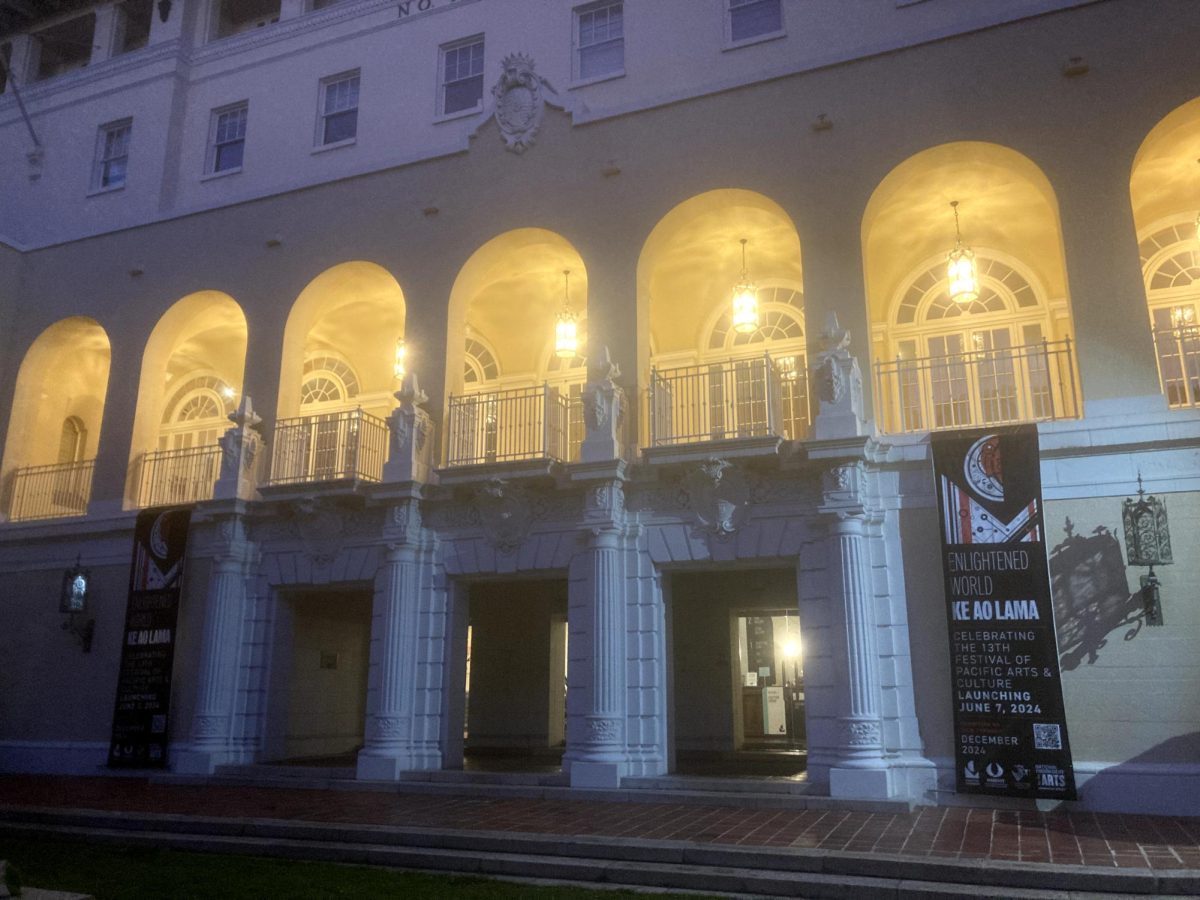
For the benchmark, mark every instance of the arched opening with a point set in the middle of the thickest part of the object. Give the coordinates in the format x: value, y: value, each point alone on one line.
x: 721, y: 323
x: 514, y: 387
x: 191, y: 380
x: 54, y: 428
x: 1165, y: 190
x: 989, y: 352
x: 343, y: 357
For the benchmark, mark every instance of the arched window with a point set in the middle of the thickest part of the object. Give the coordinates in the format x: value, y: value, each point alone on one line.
x: 73, y: 440
x: 327, y: 380
x: 1171, y: 269
x: 195, y: 416
x: 479, y: 364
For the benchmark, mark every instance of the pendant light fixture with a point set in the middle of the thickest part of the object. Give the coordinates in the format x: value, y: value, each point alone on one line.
x: 960, y: 267
x: 745, y: 300
x: 566, y: 335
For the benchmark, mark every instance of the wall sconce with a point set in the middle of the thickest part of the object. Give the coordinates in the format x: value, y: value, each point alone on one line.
x: 73, y: 603
x: 164, y: 10
x: 1147, y: 543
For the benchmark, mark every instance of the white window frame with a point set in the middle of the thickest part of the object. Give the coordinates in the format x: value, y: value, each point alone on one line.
x: 577, y: 47
x: 210, y: 160
x: 323, y: 114
x: 103, y: 158
x: 442, y: 83
x: 728, y: 7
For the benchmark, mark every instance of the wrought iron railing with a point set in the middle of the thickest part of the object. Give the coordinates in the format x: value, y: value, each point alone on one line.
x: 503, y: 426
x: 759, y: 396
x: 329, y: 447
x: 50, y: 492
x: 1178, y: 352
x: 179, y: 476
x: 1032, y: 383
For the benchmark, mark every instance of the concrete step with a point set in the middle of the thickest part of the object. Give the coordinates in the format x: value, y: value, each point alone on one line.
x: 608, y: 861
x: 765, y: 784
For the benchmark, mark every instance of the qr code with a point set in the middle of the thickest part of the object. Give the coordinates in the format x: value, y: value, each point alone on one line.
x: 1047, y: 737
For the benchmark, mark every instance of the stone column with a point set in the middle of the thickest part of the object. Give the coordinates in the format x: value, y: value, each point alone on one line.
x: 395, y: 643
x: 859, y: 768
x: 216, y: 688
x: 596, y: 751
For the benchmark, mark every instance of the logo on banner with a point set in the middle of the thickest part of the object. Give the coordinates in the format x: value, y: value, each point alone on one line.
x: 977, y: 510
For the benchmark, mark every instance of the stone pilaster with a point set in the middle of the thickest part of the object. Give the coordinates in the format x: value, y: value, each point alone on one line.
x: 224, y: 618
x: 242, y: 448
x: 388, y: 749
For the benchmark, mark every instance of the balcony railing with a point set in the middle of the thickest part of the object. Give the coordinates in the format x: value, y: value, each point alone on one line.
x: 1032, y: 383
x: 50, y: 492
x: 737, y: 398
x: 505, y: 426
x: 329, y: 447
x: 1179, y: 365
x: 169, y: 477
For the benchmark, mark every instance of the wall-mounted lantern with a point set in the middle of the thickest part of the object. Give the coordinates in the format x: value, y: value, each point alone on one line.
x: 164, y: 10
x: 73, y: 602
x: 1147, y: 543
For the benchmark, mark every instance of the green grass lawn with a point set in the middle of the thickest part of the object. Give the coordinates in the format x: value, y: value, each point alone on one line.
x: 114, y: 873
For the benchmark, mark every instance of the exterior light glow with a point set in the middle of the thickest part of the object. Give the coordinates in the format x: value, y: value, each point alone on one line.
x: 566, y: 335
x: 228, y: 393
x: 787, y: 368
x: 960, y: 267
x: 745, y: 300
x: 400, y: 365
x: 791, y: 648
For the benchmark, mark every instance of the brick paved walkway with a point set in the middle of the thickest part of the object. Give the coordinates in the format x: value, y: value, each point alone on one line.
x: 1062, y: 838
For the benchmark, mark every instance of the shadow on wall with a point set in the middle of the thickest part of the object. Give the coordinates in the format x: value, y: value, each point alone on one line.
x: 1091, y: 595
x: 1137, y: 777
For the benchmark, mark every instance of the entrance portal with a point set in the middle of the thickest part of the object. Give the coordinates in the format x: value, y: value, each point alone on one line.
x: 738, y: 685
x: 322, y: 647
x: 516, y: 690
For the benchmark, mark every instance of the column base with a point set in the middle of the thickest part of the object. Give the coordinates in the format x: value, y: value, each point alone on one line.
x: 861, y: 784
x: 380, y: 768
x: 197, y: 762
x: 595, y: 775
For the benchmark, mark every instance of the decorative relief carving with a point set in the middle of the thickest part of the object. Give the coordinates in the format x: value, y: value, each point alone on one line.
x: 520, y: 103
x: 207, y: 726
x: 504, y: 514
x: 595, y: 406
x: 603, y: 731
x: 389, y: 727
x: 718, y: 496
x: 321, y: 530
x: 404, y: 520
x: 861, y: 733
x: 607, y: 499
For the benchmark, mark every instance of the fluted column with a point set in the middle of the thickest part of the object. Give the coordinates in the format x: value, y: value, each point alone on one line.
x: 395, y: 624
x: 596, y: 748
x: 216, y: 686
x: 859, y: 767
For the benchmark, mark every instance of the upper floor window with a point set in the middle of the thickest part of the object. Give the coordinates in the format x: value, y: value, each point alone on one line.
x: 112, y: 155
x: 228, y: 139
x: 599, y: 40
x: 133, y: 25
x: 749, y: 20
x: 462, y: 76
x: 339, y: 109
x: 235, y: 16
x: 65, y: 46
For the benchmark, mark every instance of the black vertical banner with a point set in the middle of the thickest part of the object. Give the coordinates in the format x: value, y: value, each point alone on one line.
x: 139, y: 729
x: 1010, y: 730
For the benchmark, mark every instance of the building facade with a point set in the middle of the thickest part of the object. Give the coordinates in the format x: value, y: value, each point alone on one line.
x: 595, y: 352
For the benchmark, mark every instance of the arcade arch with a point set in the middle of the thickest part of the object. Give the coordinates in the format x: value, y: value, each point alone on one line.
x: 54, y: 426
x: 1164, y: 189
x: 707, y: 379
x: 511, y: 397
x: 1004, y: 355
x: 191, y: 379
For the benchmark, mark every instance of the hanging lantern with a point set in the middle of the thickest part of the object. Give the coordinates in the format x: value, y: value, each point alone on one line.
x: 960, y: 267
x: 745, y: 301
x: 400, y: 365
x: 566, y: 333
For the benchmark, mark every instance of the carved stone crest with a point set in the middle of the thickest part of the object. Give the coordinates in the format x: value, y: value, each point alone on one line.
x: 718, y: 496
x: 321, y: 530
x: 519, y: 101
x: 504, y: 514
